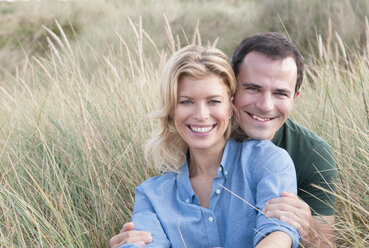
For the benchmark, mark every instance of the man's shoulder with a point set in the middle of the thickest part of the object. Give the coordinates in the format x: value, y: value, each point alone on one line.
x: 315, y: 165
x: 297, y: 131
x: 306, y: 147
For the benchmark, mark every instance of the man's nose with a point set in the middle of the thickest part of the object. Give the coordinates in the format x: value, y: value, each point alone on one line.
x: 201, y: 112
x: 265, y: 102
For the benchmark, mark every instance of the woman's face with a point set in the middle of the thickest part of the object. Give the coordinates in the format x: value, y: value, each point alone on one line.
x: 203, y: 110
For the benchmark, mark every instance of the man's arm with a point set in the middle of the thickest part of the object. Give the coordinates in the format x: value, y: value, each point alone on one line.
x: 129, y: 236
x: 315, y: 231
x: 323, y: 229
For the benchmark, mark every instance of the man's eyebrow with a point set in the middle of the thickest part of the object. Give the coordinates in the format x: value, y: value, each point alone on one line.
x: 283, y: 90
x: 250, y: 84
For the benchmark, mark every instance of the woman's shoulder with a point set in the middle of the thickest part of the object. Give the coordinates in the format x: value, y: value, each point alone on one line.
x: 250, y: 142
x: 259, y: 147
x: 262, y: 146
x: 159, y: 183
x: 259, y: 152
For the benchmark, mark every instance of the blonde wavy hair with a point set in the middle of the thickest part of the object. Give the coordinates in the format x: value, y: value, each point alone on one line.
x: 165, y: 146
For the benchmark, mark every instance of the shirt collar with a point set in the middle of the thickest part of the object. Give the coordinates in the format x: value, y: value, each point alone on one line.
x: 278, y: 135
x: 225, y: 167
x: 184, y: 185
x: 183, y: 176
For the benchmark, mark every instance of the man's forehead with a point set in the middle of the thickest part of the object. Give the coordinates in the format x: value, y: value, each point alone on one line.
x: 261, y: 71
x: 254, y: 55
x: 256, y: 62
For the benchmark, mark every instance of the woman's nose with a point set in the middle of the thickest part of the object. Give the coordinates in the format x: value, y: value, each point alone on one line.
x: 201, y: 112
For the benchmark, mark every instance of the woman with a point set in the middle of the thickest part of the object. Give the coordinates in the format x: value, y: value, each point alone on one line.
x: 214, y: 189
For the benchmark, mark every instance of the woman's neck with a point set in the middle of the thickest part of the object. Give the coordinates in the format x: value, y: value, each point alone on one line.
x: 205, y: 162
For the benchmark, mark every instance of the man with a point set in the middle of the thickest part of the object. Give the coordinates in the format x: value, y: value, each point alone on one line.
x: 269, y: 70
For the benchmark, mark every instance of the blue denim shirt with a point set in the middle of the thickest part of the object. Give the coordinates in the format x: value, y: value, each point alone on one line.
x: 253, y: 170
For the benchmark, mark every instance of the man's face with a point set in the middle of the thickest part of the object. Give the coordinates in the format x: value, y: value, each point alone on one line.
x: 265, y: 94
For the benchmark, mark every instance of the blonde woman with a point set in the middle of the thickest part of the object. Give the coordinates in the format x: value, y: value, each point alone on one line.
x: 213, y: 190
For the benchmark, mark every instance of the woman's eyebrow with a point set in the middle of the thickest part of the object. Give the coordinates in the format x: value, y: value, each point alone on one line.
x: 215, y: 96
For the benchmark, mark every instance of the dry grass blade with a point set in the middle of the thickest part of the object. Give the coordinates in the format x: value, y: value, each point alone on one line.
x: 72, y: 116
x: 170, y: 37
x: 55, y: 37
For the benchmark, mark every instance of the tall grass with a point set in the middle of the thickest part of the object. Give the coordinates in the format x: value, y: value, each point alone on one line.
x: 71, y: 145
x: 230, y: 21
x: 73, y: 122
x: 334, y: 103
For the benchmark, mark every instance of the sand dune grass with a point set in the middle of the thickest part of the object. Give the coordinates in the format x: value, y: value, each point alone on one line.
x: 73, y: 122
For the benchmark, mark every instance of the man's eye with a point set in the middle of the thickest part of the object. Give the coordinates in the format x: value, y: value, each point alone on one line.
x: 252, y: 89
x: 281, y: 94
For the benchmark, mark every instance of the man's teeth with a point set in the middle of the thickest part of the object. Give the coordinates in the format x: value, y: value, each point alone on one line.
x: 259, y: 118
x: 201, y: 129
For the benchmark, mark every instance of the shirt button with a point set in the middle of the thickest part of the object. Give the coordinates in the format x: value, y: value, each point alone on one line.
x: 211, y: 219
x: 217, y: 191
x: 220, y: 169
x: 226, y: 173
x: 187, y: 200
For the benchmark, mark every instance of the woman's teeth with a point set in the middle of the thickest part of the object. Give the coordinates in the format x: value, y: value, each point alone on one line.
x: 201, y: 129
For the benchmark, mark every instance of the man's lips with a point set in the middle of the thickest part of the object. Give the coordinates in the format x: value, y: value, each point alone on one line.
x: 260, y: 118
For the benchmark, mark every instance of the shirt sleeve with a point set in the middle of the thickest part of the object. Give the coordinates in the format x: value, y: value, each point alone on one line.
x: 323, y: 174
x: 274, y: 172
x: 145, y: 219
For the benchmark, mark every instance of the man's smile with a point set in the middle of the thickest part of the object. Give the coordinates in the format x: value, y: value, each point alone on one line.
x: 260, y: 118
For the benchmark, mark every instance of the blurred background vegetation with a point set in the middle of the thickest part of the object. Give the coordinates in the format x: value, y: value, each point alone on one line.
x: 75, y: 80
x: 230, y: 21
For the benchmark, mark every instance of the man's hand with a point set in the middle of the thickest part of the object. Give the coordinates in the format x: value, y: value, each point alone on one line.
x: 292, y: 210
x: 129, y: 236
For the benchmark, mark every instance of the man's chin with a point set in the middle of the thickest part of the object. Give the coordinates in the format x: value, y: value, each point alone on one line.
x: 259, y: 135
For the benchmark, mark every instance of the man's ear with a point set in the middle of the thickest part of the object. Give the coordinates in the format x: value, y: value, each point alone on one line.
x: 296, y: 95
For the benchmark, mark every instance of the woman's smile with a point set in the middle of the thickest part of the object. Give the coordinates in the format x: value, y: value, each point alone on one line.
x: 205, y: 129
x: 202, y: 112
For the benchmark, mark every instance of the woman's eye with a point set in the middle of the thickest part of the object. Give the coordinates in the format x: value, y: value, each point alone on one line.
x: 214, y: 101
x: 185, y: 102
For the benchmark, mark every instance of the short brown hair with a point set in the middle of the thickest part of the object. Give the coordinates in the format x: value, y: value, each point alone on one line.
x: 272, y: 45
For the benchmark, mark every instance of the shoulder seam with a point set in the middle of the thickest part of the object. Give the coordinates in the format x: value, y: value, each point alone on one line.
x: 316, y: 139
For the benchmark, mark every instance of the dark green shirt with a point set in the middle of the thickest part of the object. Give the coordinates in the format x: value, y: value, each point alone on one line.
x: 314, y: 163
